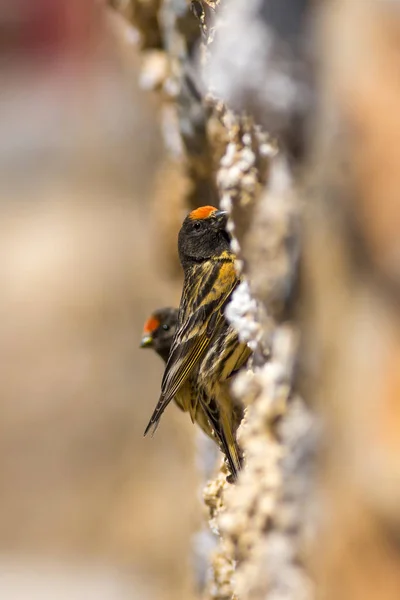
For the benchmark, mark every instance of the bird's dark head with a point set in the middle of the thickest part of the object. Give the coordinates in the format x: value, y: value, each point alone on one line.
x: 159, y: 330
x: 203, y: 235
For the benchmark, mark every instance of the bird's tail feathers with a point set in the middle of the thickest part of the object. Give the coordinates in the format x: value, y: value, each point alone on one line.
x: 156, y: 416
x: 224, y: 434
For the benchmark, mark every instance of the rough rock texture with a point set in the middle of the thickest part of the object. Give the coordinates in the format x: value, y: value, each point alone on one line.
x: 286, y: 116
x: 263, y: 521
x: 261, y: 65
x: 169, y: 65
x: 260, y: 521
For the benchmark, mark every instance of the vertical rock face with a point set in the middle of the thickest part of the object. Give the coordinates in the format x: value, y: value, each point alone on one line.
x: 261, y: 65
x: 285, y: 115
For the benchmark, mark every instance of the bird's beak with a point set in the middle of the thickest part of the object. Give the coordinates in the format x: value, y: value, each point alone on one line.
x: 220, y: 218
x: 147, y: 341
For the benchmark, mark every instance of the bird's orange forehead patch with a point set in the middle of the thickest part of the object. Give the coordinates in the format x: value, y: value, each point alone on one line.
x: 202, y: 213
x: 151, y: 325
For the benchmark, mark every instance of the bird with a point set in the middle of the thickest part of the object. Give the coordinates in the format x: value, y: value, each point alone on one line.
x: 206, y: 352
x: 158, y: 333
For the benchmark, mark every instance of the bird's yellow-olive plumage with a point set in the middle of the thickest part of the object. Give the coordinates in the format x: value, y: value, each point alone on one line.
x: 158, y: 333
x: 205, y: 350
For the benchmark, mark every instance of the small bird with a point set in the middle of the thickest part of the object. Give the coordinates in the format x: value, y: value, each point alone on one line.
x: 206, y: 351
x: 158, y: 333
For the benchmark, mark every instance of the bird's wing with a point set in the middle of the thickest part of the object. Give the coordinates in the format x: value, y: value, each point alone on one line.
x: 193, y: 338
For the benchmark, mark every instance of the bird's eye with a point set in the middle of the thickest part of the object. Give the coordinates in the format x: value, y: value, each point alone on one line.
x: 165, y: 327
x: 196, y: 225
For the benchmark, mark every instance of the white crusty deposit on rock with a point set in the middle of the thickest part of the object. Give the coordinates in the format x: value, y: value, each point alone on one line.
x: 241, y: 312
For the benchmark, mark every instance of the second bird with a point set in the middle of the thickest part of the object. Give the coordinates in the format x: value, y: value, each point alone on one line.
x: 205, y: 350
x: 158, y: 333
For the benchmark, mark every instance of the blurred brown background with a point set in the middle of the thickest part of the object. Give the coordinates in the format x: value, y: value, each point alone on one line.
x: 87, y: 505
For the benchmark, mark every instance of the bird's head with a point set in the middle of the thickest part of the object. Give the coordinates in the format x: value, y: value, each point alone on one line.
x: 203, y: 235
x: 159, y: 330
